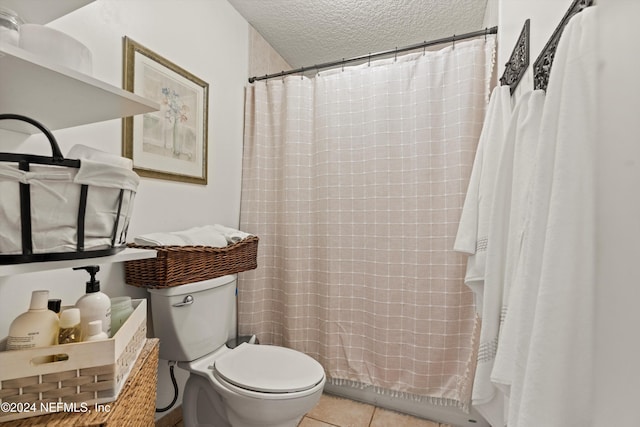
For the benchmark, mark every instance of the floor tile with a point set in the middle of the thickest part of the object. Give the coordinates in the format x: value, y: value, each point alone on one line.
x: 310, y: 422
x: 386, y: 418
x: 342, y: 412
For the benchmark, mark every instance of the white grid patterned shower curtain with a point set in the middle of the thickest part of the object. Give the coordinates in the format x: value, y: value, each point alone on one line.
x: 354, y: 181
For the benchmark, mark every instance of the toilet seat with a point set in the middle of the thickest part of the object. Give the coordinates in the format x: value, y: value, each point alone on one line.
x: 268, y: 369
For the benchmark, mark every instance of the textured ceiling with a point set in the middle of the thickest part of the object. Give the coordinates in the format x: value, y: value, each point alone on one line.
x: 308, y: 32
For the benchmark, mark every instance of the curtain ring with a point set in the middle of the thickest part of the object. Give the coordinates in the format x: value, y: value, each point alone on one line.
x: 454, y: 41
x: 282, y: 75
x: 424, y: 48
x: 369, y: 63
x: 395, y: 57
x: 342, y: 64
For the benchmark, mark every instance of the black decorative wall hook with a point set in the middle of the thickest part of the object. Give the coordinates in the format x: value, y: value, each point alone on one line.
x: 518, y: 61
x: 542, y: 65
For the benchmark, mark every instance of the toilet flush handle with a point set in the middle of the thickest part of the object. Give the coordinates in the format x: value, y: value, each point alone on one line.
x: 188, y: 300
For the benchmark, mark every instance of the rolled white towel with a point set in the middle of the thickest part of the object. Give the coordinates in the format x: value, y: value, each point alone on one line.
x: 159, y: 239
x: 205, y: 236
x: 231, y: 234
x: 196, y: 236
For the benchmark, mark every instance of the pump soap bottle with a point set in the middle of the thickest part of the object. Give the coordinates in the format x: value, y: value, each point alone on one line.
x: 37, y: 327
x: 94, y: 305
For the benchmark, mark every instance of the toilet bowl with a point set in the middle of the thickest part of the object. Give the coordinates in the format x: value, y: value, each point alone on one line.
x: 250, y: 385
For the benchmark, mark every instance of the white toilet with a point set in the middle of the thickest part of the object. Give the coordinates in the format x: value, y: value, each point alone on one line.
x: 250, y: 385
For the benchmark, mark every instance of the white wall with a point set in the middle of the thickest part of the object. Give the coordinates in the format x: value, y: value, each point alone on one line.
x: 618, y: 293
x: 263, y: 59
x: 491, y: 17
x: 207, y: 38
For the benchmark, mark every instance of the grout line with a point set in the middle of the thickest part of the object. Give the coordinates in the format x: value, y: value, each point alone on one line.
x: 373, y: 413
x: 321, y: 421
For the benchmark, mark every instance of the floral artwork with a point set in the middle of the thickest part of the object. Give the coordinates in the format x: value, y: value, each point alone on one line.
x: 170, y: 143
x: 170, y: 132
x: 176, y: 112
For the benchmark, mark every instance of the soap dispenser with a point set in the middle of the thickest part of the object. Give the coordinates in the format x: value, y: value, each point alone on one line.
x: 94, y: 305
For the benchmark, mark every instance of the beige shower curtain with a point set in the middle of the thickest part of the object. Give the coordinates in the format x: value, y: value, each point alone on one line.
x: 354, y: 181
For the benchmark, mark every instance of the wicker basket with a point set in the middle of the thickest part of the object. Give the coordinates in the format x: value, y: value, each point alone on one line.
x: 135, y: 406
x: 177, y: 265
x: 94, y: 372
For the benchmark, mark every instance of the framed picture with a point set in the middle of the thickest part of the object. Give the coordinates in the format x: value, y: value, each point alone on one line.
x: 170, y: 143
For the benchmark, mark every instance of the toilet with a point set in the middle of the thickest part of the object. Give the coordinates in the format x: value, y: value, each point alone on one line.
x: 250, y: 385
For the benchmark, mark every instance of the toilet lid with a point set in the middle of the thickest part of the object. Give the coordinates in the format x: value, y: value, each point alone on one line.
x: 267, y: 368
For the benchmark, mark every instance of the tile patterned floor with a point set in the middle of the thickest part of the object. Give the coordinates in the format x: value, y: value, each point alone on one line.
x: 335, y: 411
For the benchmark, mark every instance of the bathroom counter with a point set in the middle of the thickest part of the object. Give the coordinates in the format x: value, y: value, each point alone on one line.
x: 135, y: 405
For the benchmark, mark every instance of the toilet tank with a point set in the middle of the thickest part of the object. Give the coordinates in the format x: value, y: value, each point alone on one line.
x: 195, y: 319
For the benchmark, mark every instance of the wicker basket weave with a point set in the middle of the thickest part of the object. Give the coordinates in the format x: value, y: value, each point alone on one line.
x: 177, y: 265
x: 135, y: 406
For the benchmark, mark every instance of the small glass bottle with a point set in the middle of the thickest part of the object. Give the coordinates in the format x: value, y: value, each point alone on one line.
x: 69, y: 331
x: 69, y: 326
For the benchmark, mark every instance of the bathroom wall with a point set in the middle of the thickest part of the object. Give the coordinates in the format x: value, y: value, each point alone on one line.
x: 209, y: 39
x: 618, y: 217
x: 491, y: 17
x: 263, y: 59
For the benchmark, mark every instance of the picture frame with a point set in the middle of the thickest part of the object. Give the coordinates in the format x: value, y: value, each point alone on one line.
x: 170, y: 143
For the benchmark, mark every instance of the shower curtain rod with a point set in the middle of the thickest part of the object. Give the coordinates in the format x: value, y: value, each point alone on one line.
x: 452, y: 39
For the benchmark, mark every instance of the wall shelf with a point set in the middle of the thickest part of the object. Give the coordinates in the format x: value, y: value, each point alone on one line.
x: 57, y: 96
x: 128, y: 254
x: 43, y: 11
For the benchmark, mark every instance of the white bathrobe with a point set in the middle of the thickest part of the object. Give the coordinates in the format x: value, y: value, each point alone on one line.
x: 473, y: 229
x: 553, y: 307
x: 516, y: 155
x: 510, y: 209
x: 473, y: 236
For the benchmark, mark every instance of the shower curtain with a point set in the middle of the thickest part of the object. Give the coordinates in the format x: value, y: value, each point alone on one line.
x: 354, y: 181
